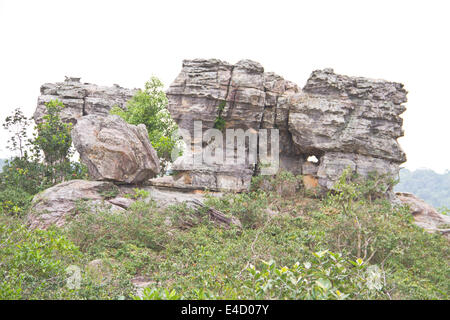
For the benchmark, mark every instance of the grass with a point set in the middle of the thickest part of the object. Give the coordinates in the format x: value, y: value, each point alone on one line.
x: 185, y: 256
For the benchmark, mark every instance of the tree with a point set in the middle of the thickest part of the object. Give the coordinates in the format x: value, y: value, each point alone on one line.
x: 53, y: 136
x: 17, y: 125
x: 149, y: 106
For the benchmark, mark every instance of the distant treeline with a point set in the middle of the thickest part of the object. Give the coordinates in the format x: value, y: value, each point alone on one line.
x: 426, y: 184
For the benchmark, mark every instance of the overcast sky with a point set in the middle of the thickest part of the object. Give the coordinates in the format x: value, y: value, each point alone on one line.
x: 125, y: 42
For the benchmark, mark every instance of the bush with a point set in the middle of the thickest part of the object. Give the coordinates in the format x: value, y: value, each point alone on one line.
x: 325, y: 276
x: 34, y: 262
x: 249, y: 208
x: 96, y: 231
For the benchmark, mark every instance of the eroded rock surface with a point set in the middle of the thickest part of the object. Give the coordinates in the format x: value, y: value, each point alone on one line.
x: 425, y: 216
x: 114, y: 150
x: 58, y: 203
x: 81, y: 99
x: 342, y: 121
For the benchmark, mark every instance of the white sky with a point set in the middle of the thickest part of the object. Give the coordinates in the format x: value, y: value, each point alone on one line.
x: 125, y: 42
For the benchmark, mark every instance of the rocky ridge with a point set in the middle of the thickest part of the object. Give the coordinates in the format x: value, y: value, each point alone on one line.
x: 81, y: 99
x: 342, y: 121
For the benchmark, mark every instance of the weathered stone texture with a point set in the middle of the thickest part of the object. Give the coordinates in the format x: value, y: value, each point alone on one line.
x: 114, y: 150
x: 81, y: 99
x: 343, y: 121
x: 57, y: 204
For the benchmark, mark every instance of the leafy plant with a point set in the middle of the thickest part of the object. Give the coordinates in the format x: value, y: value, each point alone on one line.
x: 219, y: 122
x: 326, y: 276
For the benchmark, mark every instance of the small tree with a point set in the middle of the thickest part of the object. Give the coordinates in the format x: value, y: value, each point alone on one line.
x: 53, y: 138
x: 17, y: 125
x: 149, y: 106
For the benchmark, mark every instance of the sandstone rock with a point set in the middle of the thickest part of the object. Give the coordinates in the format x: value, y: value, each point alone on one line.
x: 343, y: 121
x: 218, y: 177
x: 81, y: 99
x: 122, y: 202
x: 351, y: 115
x: 425, y: 216
x: 114, y: 150
x: 56, y: 204
x: 167, y: 196
x: 250, y: 98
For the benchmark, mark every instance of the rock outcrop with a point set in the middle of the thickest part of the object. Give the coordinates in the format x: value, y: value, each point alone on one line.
x: 425, y: 216
x: 57, y: 204
x: 114, y: 150
x: 342, y: 121
x: 81, y: 99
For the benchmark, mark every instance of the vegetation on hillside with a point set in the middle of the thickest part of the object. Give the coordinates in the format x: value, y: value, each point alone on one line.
x: 428, y: 185
x: 347, y: 244
x: 293, y: 244
x: 40, y: 162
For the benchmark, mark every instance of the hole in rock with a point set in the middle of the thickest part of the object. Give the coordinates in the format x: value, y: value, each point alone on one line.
x: 312, y: 159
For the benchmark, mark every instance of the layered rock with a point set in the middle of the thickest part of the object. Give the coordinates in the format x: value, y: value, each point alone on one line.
x: 114, y: 150
x: 81, y: 99
x: 249, y: 97
x: 342, y: 121
x: 56, y: 205
x: 348, y: 121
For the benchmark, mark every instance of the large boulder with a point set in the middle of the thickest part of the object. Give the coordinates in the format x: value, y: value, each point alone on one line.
x: 55, y: 205
x: 114, y: 150
x: 342, y: 121
x: 425, y: 216
x: 81, y: 99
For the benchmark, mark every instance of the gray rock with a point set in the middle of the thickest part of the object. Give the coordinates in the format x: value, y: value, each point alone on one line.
x: 425, y: 216
x: 114, y: 150
x: 122, y: 202
x: 56, y: 204
x: 343, y: 121
x: 81, y: 99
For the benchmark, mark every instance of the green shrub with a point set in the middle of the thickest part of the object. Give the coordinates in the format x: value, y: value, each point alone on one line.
x: 99, y: 230
x: 33, y: 263
x: 323, y: 277
x: 249, y: 208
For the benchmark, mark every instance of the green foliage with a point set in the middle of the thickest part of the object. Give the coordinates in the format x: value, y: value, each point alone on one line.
x: 26, y: 175
x: 53, y: 136
x: 138, y: 194
x: 219, y: 122
x: 158, y: 294
x: 323, y: 277
x: 33, y: 262
x: 283, y: 183
x: 98, y: 230
x: 426, y: 184
x: 351, y: 244
x: 249, y: 208
x: 149, y: 106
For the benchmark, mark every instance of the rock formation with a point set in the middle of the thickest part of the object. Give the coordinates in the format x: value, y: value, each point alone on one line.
x: 425, y: 216
x: 342, y: 121
x: 81, y: 99
x: 57, y: 204
x: 114, y: 150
